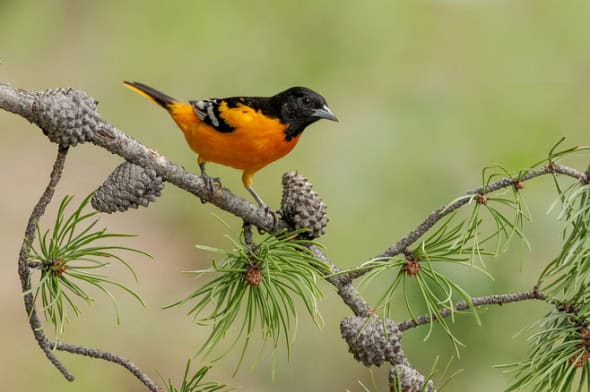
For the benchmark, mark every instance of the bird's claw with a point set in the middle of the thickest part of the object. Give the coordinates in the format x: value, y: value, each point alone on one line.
x: 211, y: 184
x: 273, y: 214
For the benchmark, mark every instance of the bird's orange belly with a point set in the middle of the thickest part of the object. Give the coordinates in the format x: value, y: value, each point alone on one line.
x: 249, y: 147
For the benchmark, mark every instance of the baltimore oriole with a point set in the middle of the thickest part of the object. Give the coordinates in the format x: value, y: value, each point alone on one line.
x: 245, y: 133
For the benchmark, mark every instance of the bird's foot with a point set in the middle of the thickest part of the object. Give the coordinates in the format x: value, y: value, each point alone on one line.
x: 212, y: 184
x: 273, y: 214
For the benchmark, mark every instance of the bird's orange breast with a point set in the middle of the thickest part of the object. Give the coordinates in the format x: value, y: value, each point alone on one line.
x: 256, y: 140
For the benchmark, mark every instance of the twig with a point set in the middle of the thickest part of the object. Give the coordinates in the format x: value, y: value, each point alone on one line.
x: 401, y: 245
x: 496, y: 299
x: 98, y: 354
x: 349, y: 294
x: 24, y: 271
x: 247, y: 227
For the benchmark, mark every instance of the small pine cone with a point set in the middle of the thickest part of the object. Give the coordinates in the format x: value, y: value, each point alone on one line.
x: 412, y: 267
x: 481, y: 199
x: 253, y: 276
x: 409, y: 379
x: 301, y: 207
x: 128, y: 186
x: 65, y: 115
x: 368, y: 342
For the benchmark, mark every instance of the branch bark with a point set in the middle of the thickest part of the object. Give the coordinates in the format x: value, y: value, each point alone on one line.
x: 106, y: 356
x: 24, y: 271
x: 496, y: 299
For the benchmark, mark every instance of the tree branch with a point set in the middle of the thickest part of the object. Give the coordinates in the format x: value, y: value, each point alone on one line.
x: 105, y: 135
x: 46, y: 110
x: 24, y: 272
x: 343, y: 284
x: 496, y: 299
x: 434, y: 217
x: 106, y: 356
x: 70, y: 115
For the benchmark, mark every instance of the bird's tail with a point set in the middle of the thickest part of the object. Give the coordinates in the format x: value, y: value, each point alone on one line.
x: 182, y: 112
x: 152, y: 94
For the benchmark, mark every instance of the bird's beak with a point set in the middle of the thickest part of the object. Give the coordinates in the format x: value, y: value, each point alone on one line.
x: 326, y: 113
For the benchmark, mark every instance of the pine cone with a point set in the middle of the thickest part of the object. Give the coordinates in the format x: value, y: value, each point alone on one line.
x: 301, y: 207
x: 368, y: 342
x: 128, y: 186
x: 253, y: 276
x: 409, y: 379
x: 66, y: 116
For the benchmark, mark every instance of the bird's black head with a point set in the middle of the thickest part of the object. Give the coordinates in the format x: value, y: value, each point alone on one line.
x: 300, y: 107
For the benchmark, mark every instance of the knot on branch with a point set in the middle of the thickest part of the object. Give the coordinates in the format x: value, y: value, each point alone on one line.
x: 65, y: 115
x: 128, y: 186
x: 404, y: 378
x: 372, y: 340
x: 301, y: 207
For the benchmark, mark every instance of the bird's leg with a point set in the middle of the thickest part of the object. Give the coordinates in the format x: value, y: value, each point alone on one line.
x: 210, y: 182
x: 267, y: 209
x: 256, y: 197
x: 247, y: 180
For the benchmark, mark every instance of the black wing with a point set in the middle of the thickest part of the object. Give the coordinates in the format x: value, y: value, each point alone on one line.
x: 208, y: 111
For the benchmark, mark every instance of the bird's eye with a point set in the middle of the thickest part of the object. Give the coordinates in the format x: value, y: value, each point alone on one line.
x: 306, y: 101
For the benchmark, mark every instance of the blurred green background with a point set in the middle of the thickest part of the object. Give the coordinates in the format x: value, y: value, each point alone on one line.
x: 427, y: 92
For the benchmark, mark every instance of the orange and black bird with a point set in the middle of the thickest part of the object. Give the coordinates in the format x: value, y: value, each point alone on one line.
x: 245, y: 133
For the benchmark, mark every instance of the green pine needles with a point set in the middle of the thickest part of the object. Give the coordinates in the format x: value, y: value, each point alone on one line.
x: 255, y: 292
x: 69, y: 257
x: 498, y: 215
x: 255, y: 289
x: 419, y: 273
x: 569, y: 272
x: 560, y: 350
x: 558, y: 358
x: 195, y: 382
x: 455, y: 242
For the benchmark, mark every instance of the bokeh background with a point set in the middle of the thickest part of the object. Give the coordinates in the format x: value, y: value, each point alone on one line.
x: 428, y: 93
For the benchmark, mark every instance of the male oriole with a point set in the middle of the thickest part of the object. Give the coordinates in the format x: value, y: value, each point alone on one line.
x: 245, y: 133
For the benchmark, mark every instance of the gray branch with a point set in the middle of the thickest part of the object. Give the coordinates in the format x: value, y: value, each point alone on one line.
x: 106, y: 356
x: 496, y: 299
x: 24, y: 271
x: 54, y: 115
x: 73, y: 114
x: 434, y: 217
